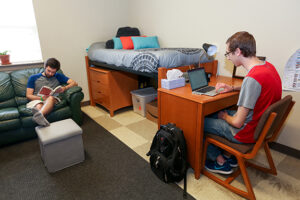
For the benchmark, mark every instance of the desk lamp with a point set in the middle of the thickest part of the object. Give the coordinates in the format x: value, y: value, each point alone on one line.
x: 210, y: 49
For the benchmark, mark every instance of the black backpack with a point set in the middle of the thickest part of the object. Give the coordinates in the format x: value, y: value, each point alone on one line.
x: 168, y: 154
x: 122, y: 31
x: 128, y: 31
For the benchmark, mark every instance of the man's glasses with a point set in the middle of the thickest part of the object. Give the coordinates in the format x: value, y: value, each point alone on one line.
x: 227, y: 53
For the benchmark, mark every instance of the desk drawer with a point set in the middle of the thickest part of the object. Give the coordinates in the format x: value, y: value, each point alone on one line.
x: 100, y: 88
x: 99, y: 77
x: 101, y: 98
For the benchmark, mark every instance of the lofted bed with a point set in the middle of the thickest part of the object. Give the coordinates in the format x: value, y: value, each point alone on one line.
x: 113, y: 73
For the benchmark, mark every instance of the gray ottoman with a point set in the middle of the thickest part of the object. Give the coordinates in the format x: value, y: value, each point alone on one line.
x: 61, y: 144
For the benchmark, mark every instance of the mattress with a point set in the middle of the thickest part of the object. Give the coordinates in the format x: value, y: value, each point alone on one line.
x: 147, y: 60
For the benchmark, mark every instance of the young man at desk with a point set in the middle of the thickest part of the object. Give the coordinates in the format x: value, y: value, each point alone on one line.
x: 261, y: 87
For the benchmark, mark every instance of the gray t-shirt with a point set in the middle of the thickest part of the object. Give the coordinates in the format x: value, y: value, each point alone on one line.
x: 37, y: 81
x: 42, y: 81
x: 250, y: 92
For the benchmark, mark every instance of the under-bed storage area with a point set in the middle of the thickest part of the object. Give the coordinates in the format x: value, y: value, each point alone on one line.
x: 111, y: 88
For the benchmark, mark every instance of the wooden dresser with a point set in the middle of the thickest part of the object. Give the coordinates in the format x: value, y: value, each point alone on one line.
x: 111, y: 88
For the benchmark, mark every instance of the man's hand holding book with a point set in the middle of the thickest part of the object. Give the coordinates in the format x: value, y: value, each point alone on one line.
x: 46, y: 91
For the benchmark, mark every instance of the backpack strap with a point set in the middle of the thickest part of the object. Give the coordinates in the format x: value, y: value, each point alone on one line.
x: 153, y: 145
x: 160, y: 133
x: 181, y: 148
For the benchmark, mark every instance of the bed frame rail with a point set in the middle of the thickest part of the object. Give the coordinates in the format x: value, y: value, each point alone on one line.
x: 210, y: 67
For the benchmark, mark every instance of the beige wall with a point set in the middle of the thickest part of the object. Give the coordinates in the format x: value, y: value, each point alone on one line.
x: 67, y: 27
x: 274, y: 23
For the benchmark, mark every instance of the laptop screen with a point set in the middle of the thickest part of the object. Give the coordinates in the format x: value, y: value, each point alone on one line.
x: 197, y: 78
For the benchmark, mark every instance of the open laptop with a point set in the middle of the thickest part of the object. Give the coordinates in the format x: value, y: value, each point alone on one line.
x: 199, y: 83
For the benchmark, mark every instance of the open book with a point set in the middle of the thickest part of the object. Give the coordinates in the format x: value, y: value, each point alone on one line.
x: 47, y: 91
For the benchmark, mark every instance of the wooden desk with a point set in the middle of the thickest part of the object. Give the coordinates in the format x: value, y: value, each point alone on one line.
x: 188, y: 110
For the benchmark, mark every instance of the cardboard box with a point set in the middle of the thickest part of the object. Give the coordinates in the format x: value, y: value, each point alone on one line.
x: 171, y: 84
x: 151, y: 111
x: 141, y: 97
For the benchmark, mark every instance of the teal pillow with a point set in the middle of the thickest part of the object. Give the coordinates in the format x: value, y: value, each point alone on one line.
x: 117, y: 43
x: 145, y: 42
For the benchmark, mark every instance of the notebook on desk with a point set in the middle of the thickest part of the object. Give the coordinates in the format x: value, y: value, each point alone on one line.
x: 199, y: 83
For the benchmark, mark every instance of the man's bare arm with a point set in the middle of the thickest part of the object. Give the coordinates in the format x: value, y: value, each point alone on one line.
x: 70, y: 83
x: 226, y: 87
x: 30, y: 95
x: 238, y: 119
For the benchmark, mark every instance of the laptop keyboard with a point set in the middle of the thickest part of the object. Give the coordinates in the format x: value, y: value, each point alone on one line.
x: 205, y: 89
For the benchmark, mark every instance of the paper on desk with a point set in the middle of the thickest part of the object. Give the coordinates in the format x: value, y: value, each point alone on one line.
x: 291, y: 77
x: 174, y: 74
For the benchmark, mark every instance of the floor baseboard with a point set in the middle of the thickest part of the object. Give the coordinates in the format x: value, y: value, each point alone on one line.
x: 85, y: 103
x: 285, y: 149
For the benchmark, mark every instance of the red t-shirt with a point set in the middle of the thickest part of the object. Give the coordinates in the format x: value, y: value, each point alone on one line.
x: 271, y: 91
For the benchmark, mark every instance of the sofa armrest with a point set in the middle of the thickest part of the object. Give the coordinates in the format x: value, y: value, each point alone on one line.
x: 74, y: 96
x: 72, y: 91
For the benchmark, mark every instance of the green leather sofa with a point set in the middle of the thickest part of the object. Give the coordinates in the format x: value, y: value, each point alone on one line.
x: 16, y: 120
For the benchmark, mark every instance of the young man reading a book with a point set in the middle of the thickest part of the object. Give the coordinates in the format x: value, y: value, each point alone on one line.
x: 261, y: 87
x: 40, y: 104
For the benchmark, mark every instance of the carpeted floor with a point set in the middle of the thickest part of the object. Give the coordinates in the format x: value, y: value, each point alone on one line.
x: 111, y: 171
x: 137, y: 133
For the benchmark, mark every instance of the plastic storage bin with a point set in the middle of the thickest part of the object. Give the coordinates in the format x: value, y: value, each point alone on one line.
x: 141, y: 97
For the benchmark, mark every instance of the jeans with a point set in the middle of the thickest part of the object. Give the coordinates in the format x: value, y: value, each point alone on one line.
x: 221, y: 128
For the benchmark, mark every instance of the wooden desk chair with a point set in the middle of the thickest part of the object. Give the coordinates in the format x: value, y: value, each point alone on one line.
x: 234, y: 73
x: 267, y: 130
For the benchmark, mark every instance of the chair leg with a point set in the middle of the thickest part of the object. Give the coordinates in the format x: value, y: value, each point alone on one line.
x: 226, y: 183
x: 270, y: 160
x: 250, y: 194
x: 204, y: 155
x: 272, y: 169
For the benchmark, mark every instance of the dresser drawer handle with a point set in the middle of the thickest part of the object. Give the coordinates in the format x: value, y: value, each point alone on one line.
x: 98, y: 81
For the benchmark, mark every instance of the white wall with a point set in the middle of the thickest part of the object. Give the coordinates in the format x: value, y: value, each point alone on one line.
x: 67, y: 27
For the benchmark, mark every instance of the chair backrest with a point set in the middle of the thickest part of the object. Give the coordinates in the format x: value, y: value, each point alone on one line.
x: 234, y: 72
x: 280, y: 108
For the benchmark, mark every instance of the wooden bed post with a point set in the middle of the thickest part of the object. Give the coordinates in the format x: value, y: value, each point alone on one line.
x: 162, y: 74
x: 87, y: 65
x: 210, y: 67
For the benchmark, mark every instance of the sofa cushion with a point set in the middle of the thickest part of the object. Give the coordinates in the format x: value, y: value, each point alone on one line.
x: 27, y: 112
x: 6, y: 91
x: 24, y: 111
x: 19, y: 81
x: 60, y: 114
x: 9, y: 113
x: 21, y: 100
x: 27, y: 122
x: 9, y: 125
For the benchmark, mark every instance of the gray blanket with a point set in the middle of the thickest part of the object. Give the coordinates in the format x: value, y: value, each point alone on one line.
x: 147, y: 60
